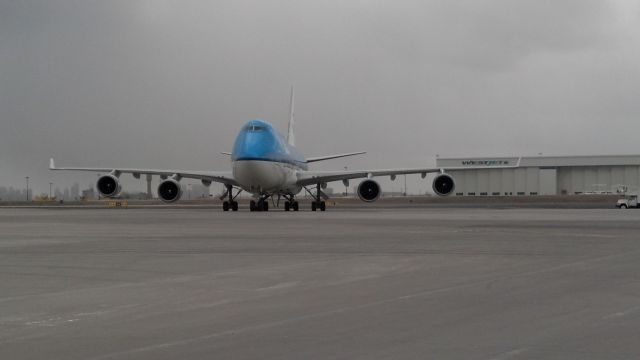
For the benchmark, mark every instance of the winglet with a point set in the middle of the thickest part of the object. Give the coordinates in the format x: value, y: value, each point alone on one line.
x: 52, y: 164
x: 291, y: 139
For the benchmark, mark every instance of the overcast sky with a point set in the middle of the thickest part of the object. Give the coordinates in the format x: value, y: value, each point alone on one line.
x: 167, y: 84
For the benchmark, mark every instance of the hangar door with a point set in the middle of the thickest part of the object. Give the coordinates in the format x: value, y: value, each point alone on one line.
x: 548, y: 181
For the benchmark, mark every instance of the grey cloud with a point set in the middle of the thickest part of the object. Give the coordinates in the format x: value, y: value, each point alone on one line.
x: 168, y: 83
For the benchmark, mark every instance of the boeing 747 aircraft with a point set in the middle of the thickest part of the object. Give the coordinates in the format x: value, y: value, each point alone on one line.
x: 266, y: 165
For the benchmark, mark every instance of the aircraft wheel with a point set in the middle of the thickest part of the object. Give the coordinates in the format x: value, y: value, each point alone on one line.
x: 287, y: 206
x: 323, y: 206
x: 225, y: 206
x: 265, y: 205
x: 295, y: 206
x: 234, y: 206
x: 313, y: 206
x: 252, y: 206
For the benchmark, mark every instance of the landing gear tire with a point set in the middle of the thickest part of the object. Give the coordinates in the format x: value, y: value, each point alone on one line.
x: 318, y: 205
x: 252, y: 206
x: 295, y: 206
x: 265, y: 206
x: 230, y: 204
x: 287, y: 206
x: 317, y: 198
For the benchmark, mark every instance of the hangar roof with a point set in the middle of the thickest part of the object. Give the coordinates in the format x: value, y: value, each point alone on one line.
x: 540, y: 161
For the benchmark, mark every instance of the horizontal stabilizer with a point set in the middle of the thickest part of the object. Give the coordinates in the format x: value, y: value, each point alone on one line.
x: 321, y: 158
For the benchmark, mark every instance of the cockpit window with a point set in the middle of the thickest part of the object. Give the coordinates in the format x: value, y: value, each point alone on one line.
x: 255, y: 128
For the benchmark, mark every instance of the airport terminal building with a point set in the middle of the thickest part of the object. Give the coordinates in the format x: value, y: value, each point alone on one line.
x: 543, y: 175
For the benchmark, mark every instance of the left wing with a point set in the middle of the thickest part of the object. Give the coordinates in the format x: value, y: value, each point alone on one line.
x: 315, y: 177
x: 224, y: 177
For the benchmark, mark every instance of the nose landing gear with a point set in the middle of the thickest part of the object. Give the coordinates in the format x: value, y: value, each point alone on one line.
x: 261, y: 205
x: 290, y: 204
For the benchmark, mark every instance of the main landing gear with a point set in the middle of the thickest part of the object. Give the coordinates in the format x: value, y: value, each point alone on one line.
x: 318, y: 203
x: 231, y: 204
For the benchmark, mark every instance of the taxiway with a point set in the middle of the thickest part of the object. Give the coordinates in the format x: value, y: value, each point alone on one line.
x: 356, y: 283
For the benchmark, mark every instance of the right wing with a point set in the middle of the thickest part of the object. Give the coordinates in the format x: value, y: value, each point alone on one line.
x: 224, y: 177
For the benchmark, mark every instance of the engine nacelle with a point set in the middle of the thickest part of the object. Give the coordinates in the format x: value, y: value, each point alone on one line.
x: 108, y: 186
x: 169, y: 191
x: 369, y: 191
x: 443, y: 185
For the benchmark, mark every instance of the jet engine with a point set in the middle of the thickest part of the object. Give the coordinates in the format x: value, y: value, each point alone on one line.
x: 169, y: 190
x: 369, y: 191
x: 443, y: 185
x: 108, y: 186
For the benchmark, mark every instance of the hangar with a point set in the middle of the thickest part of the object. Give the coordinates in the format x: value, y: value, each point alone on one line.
x: 543, y: 175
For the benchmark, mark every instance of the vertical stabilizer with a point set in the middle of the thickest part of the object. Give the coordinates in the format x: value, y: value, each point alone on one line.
x: 291, y: 139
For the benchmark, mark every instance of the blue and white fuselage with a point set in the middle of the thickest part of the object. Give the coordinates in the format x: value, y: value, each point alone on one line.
x: 263, y: 162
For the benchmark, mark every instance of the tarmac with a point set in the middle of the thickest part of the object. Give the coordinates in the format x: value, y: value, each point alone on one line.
x: 351, y: 283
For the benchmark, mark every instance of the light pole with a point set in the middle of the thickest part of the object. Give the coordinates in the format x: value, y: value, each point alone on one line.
x: 50, y: 184
x: 405, y: 184
x: 346, y: 188
x: 26, y: 177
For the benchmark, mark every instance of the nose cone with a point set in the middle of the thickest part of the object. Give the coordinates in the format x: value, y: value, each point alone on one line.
x: 258, y: 176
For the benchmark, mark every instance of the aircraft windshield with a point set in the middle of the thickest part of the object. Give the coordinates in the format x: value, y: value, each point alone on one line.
x: 255, y: 128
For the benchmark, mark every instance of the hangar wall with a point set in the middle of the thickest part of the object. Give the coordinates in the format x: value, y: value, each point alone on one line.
x: 563, y: 175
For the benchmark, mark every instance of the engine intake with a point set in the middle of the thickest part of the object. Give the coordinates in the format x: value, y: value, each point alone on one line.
x: 108, y: 186
x: 443, y: 185
x: 169, y: 191
x: 369, y: 191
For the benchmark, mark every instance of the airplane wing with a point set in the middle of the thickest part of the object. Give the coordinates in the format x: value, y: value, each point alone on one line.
x: 315, y: 177
x: 224, y: 177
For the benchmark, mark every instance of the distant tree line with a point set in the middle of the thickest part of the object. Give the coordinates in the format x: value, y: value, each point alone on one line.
x: 11, y: 194
x: 20, y: 194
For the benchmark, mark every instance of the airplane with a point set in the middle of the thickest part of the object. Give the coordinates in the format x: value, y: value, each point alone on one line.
x: 266, y: 164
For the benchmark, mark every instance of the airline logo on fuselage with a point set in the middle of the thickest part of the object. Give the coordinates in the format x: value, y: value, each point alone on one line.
x: 485, y: 162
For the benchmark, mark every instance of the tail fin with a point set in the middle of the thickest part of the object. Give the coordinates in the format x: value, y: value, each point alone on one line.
x: 291, y: 139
